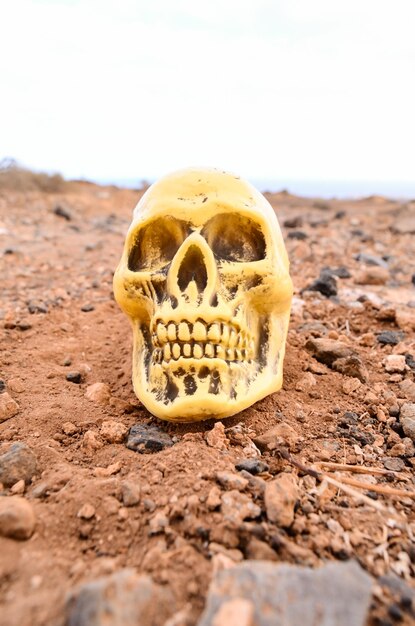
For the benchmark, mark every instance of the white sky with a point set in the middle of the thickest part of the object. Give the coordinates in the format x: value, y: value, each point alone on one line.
x: 301, y: 89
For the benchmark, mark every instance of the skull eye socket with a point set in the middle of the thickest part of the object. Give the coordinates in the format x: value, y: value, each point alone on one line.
x: 234, y: 237
x: 156, y: 243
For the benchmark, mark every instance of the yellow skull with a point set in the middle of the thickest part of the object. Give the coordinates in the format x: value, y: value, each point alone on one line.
x: 204, y: 280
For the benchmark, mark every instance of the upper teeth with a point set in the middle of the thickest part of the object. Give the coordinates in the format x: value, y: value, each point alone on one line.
x: 220, y: 339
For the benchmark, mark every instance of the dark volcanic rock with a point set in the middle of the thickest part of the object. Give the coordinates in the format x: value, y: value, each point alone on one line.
x: 145, y: 439
x: 297, y: 234
x: 337, y: 594
x: 74, y: 377
x: 60, y: 211
x: 123, y: 598
x: 325, y: 284
x: 390, y: 337
x: 18, y: 463
x: 253, y: 466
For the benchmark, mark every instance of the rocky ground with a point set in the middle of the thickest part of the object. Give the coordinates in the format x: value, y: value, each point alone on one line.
x: 104, y: 510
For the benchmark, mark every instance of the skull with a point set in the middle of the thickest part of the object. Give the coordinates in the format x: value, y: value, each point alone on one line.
x: 204, y: 280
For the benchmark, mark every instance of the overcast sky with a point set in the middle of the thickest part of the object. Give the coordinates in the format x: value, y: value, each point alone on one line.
x: 283, y: 89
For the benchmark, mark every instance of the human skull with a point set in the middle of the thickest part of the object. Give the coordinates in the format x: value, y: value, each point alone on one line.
x: 204, y: 280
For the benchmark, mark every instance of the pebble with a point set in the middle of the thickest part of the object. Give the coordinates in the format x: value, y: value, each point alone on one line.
x: 407, y: 419
x: 124, y: 597
x: 372, y: 275
x: 91, y: 442
x: 74, y: 377
x: 237, y: 507
x: 18, y: 488
x: 17, y: 518
x: 253, y: 466
x: 281, y: 434
x: 230, y: 480
x: 8, y: 407
x: 394, y: 464
x: 69, y: 429
x: 99, y: 393
x: 87, y: 308
x: 325, y: 284
x: 216, y: 437
x: 351, y: 366
x: 407, y: 388
x: 300, y: 235
x: 213, y: 500
x: 144, y: 438
x: 390, y: 337
x: 61, y: 211
x: 327, y: 351
x: 307, y: 382
x: 18, y: 463
x: 371, y: 259
x: 335, y: 594
x: 351, y: 385
x: 16, y: 385
x: 87, y: 511
x: 281, y: 495
x: 130, y: 493
x: 395, y: 364
x: 110, y: 470
x: 158, y: 523
x: 113, y: 432
x: 2, y: 385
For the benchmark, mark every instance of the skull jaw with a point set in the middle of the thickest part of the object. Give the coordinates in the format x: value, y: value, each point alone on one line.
x: 205, y: 406
x: 251, y: 385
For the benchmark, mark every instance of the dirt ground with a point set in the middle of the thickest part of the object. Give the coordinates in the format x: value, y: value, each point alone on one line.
x: 58, y: 252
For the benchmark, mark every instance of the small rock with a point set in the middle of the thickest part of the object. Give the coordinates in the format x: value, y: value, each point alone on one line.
x: 237, y: 507
x: 123, y: 598
x: 281, y: 434
x: 280, y: 497
x: 230, y: 480
x: 17, y: 519
x: 300, y: 235
x: 18, y: 463
x: 327, y: 351
x: 253, y: 466
x: 91, y: 442
x: 407, y: 388
x: 405, y: 319
x: 394, y: 464
x: 340, y: 272
x: 293, y: 222
x: 351, y: 385
x: 18, y: 488
x: 113, y: 432
x: 371, y: 259
x: 404, y: 225
x: 307, y: 382
x: 351, y: 366
x: 87, y: 308
x: 372, y: 275
x: 337, y: 594
x: 110, y: 470
x: 60, y: 211
x: 8, y: 407
x: 158, y: 523
x: 87, y: 511
x: 325, y: 284
x: 130, y: 493
x: 16, y: 385
x: 260, y: 551
x: 2, y: 385
x: 407, y: 419
x: 69, y: 429
x: 390, y: 337
x: 216, y: 438
x: 146, y: 439
x: 410, y: 361
x: 37, y: 306
x: 74, y: 377
x: 395, y: 364
x: 213, y: 500
x: 99, y: 393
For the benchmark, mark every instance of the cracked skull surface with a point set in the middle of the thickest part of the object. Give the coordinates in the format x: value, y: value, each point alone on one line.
x: 204, y: 280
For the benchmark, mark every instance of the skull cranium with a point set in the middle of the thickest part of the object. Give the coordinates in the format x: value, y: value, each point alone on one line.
x: 204, y: 280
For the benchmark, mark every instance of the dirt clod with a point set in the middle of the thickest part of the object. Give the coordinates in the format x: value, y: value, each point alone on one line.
x: 17, y: 518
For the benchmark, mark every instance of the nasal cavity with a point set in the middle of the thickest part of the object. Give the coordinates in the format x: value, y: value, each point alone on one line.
x: 193, y: 267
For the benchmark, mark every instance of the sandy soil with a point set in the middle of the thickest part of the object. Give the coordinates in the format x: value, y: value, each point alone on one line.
x: 58, y: 316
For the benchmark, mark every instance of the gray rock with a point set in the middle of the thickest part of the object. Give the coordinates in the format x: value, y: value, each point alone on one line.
x: 121, y: 599
x: 253, y: 466
x: 407, y: 419
x: 18, y: 463
x: 371, y: 259
x: 337, y: 594
x: 145, y: 439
